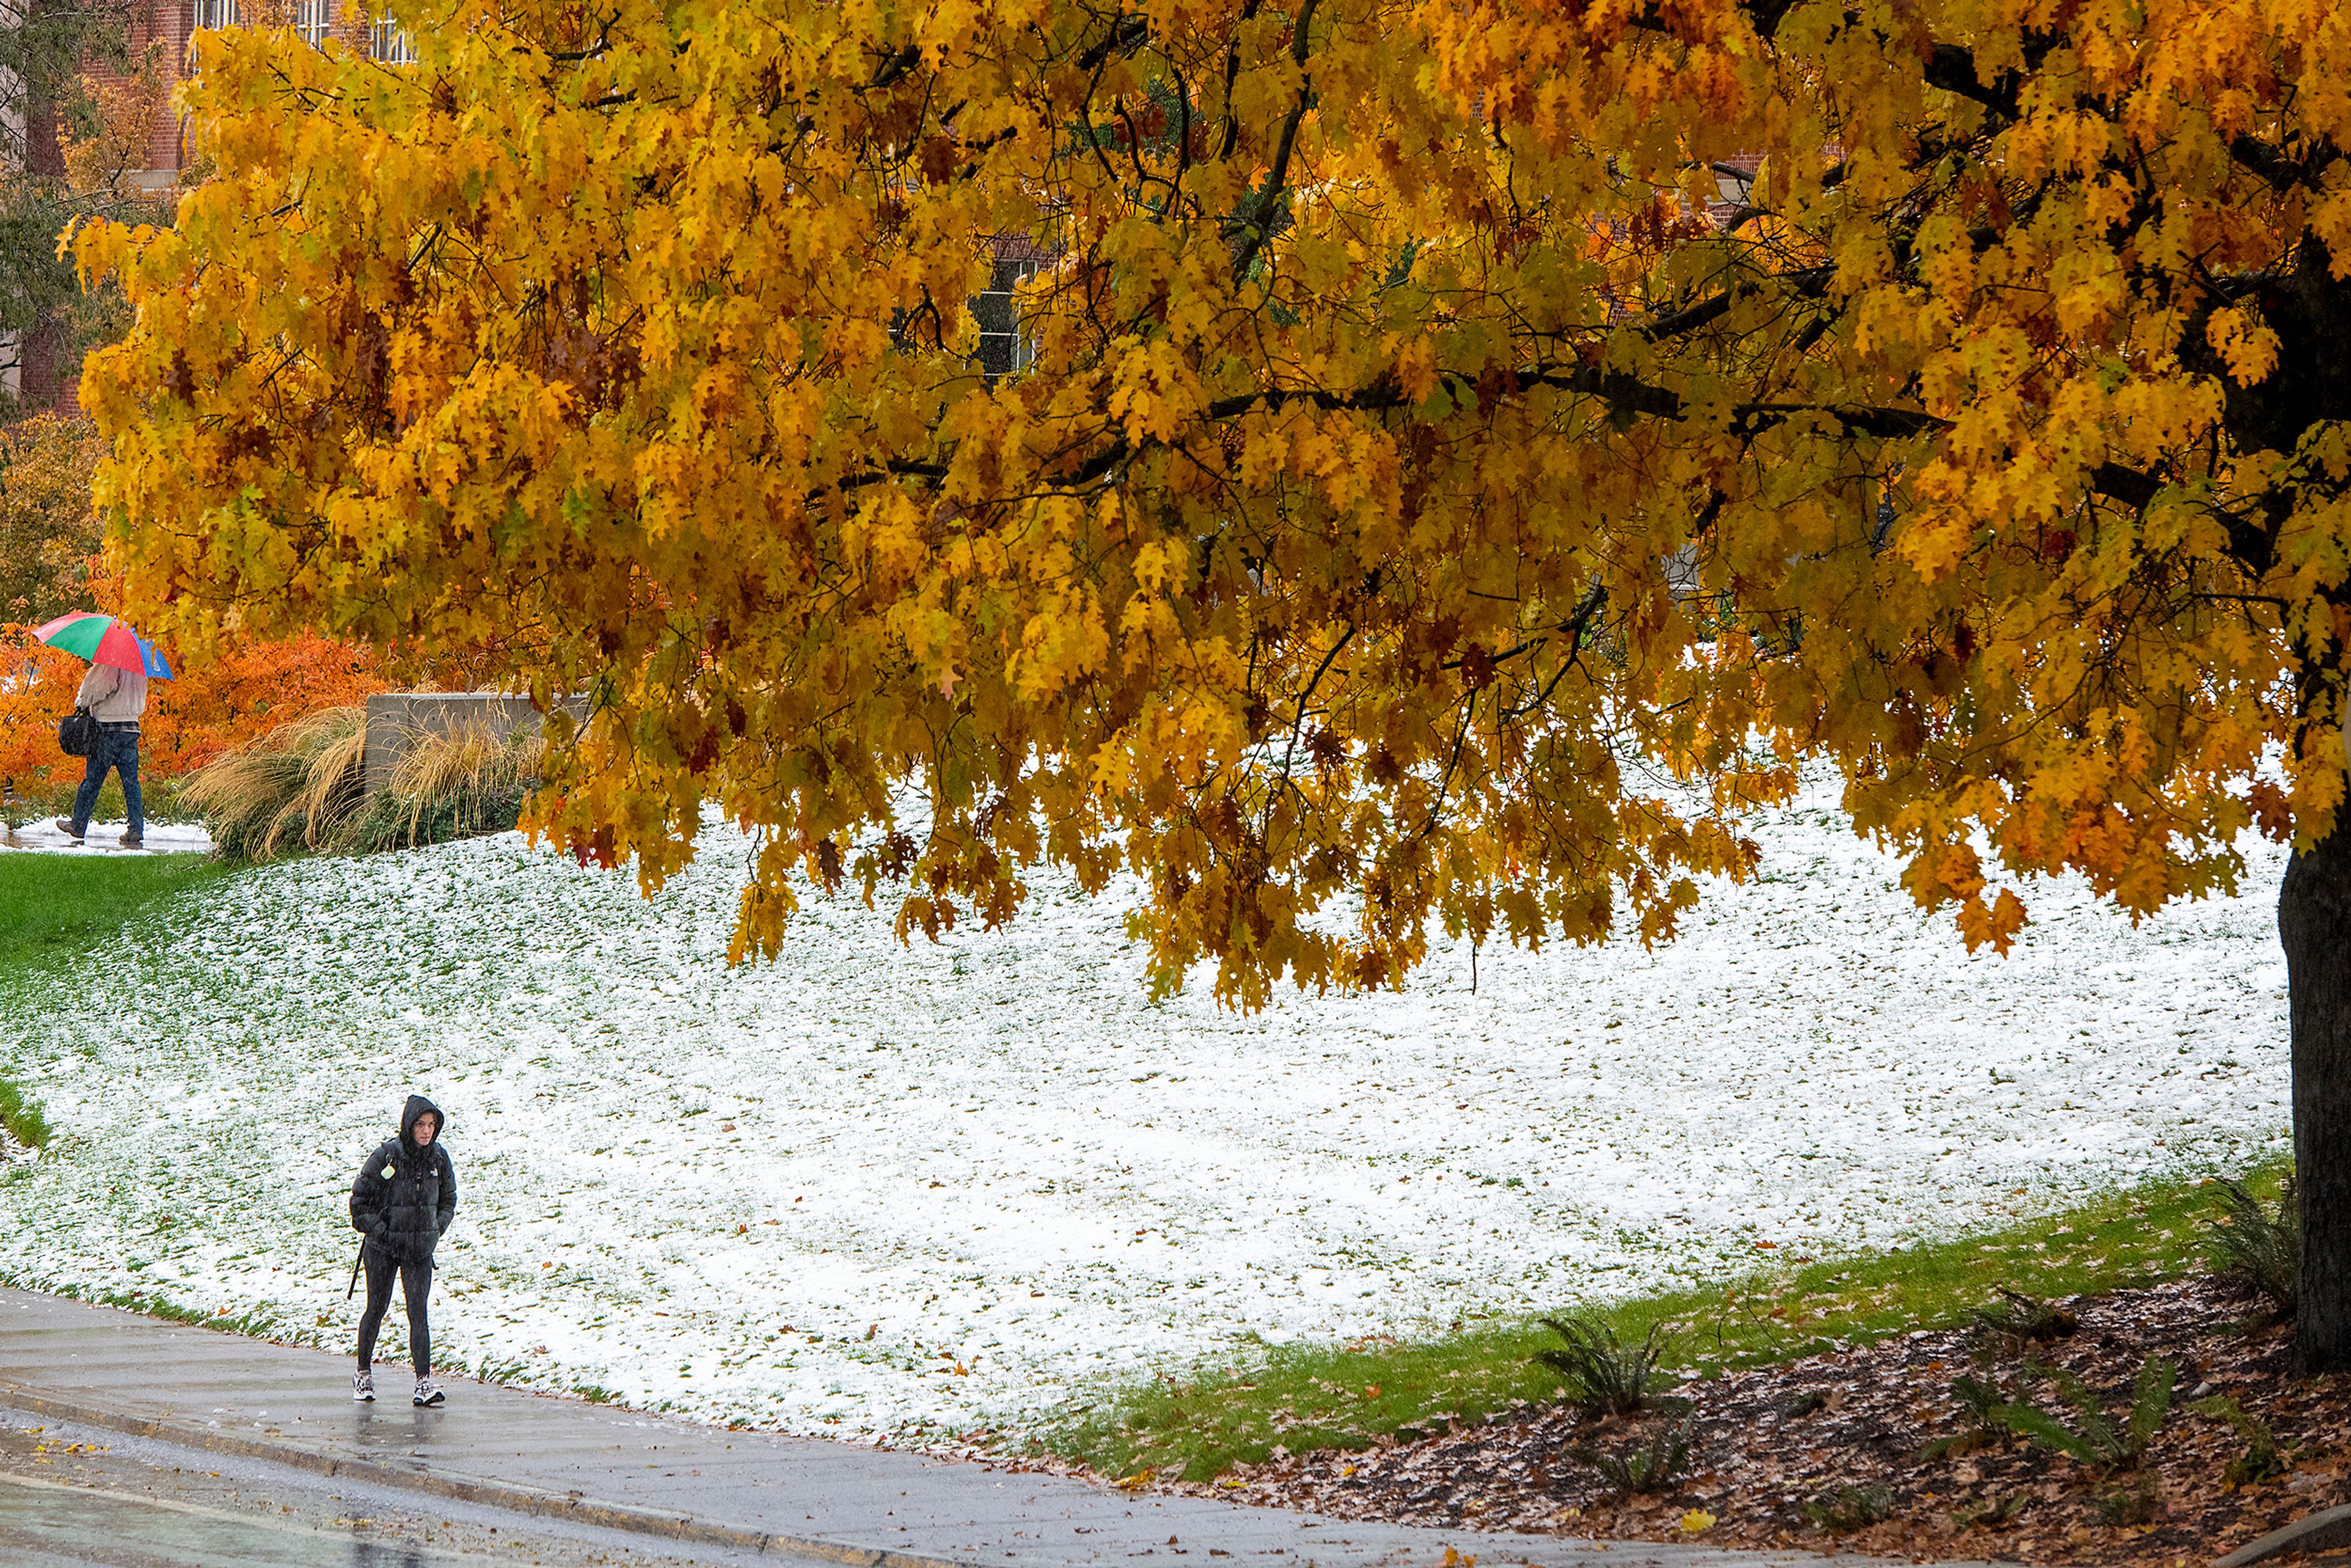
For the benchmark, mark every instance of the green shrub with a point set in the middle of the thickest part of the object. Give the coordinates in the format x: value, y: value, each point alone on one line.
x: 2132, y: 1504
x: 2021, y: 1319
x: 1603, y: 1372
x: 2261, y: 1247
x: 1992, y: 1512
x: 1645, y: 1466
x: 1980, y: 1406
x: 2097, y: 1441
x: 2261, y: 1459
x: 1843, y: 1507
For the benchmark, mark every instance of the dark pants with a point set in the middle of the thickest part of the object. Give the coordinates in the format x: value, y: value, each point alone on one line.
x: 116, y: 747
x: 415, y: 1285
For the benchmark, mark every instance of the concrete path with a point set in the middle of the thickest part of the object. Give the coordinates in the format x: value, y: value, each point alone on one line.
x: 568, y: 1460
x: 41, y: 836
x: 83, y: 1497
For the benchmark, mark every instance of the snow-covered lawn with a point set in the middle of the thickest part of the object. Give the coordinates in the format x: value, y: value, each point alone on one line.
x: 875, y: 1188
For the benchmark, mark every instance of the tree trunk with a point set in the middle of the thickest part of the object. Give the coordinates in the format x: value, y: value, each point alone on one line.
x: 2314, y: 924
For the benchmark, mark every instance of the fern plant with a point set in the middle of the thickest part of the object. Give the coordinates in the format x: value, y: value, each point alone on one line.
x: 2139, y: 1504
x: 1644, y: 1467
x: 1843, y: 1507
x: 1992, y: 1512
x: 1605, y: 1374
x: 2097, y: 1440
x: 2261, y: 1459
x: 1980, y: 1406
x: 2023, y: 1318
x: 2259, y: 1247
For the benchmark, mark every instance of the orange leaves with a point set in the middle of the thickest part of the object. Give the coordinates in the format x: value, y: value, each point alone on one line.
x: 36, y: 689
x: 1995, y: 925
x: 242, y: 691
x: 2248, y: 348
x: 1309, y: 462
x: 2273, y: 811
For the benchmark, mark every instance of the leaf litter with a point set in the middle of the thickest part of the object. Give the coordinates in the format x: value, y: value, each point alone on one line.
x: 1872, y: 1451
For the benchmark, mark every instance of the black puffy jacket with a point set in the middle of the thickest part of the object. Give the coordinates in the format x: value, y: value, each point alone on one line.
x: 404, y: 1197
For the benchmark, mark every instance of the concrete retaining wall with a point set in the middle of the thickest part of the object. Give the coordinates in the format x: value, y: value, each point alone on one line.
x: 396, y: 719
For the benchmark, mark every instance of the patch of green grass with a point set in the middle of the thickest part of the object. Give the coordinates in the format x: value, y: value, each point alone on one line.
x: 23, y: 1117
x: 53, y: 909
x: 56, y: 907
x: 1349, y: 1396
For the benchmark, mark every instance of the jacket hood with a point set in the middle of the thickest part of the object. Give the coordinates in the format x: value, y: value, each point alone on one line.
x: 418, y: 1105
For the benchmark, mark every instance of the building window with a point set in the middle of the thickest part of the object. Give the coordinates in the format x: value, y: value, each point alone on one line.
x: 388, y: 41
x: 1004, y: 347
x: 311, y: 19
x: 216, y: 14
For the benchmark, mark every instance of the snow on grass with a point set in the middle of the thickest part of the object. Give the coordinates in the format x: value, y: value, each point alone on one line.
x: 872, y: 1188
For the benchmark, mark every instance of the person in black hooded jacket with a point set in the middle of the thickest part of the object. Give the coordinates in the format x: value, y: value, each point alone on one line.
x: 402, y: 1201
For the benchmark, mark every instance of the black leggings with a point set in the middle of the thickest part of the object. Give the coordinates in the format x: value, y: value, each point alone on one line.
x: 415, y: 1285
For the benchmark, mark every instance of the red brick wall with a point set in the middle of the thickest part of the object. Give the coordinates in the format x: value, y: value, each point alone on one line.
x: 49, y: 374
x: 170, y: 22
x: 43, y: 380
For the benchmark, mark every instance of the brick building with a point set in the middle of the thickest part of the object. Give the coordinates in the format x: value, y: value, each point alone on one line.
x: 47, y: 370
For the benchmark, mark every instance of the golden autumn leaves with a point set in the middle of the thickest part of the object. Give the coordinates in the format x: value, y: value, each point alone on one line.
x: 1434, y: 436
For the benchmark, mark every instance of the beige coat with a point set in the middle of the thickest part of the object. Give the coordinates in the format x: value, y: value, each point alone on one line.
x: 112, y: 695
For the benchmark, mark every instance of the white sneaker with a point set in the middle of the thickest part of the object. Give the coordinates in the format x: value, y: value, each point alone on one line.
x: 364, y: 1388
x: 427, y: 1392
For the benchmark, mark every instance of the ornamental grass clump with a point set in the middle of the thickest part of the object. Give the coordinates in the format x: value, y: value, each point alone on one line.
x: 454, y: 785
x: 290, y: 789
x: 301, y: 787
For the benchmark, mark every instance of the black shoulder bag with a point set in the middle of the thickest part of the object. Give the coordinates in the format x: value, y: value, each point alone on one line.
x: 77, y: 732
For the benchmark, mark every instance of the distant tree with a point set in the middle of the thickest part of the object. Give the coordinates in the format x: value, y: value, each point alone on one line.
x: 1434, y: 421
x: 68, y: 67
x: 48, y: 530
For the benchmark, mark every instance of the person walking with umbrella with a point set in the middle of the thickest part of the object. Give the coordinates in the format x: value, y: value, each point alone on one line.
x: 114, y: 694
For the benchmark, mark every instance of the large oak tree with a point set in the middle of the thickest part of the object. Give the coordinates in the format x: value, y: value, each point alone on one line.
x: 1438, y: 420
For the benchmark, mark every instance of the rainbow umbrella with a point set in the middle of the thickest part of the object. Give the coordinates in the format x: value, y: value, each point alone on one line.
x: 103, y: 640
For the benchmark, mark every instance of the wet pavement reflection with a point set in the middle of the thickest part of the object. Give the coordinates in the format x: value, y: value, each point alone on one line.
x: 73, y: 1494
x: 48, y: 1525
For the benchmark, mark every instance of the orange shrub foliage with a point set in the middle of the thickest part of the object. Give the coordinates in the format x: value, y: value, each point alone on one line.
x: 37, y: 688
x: 214, y: 705
x: 246, y: 691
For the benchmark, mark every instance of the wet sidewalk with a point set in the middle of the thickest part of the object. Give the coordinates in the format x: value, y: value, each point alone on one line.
x: 42, y: 836
x: 673, y: 1479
